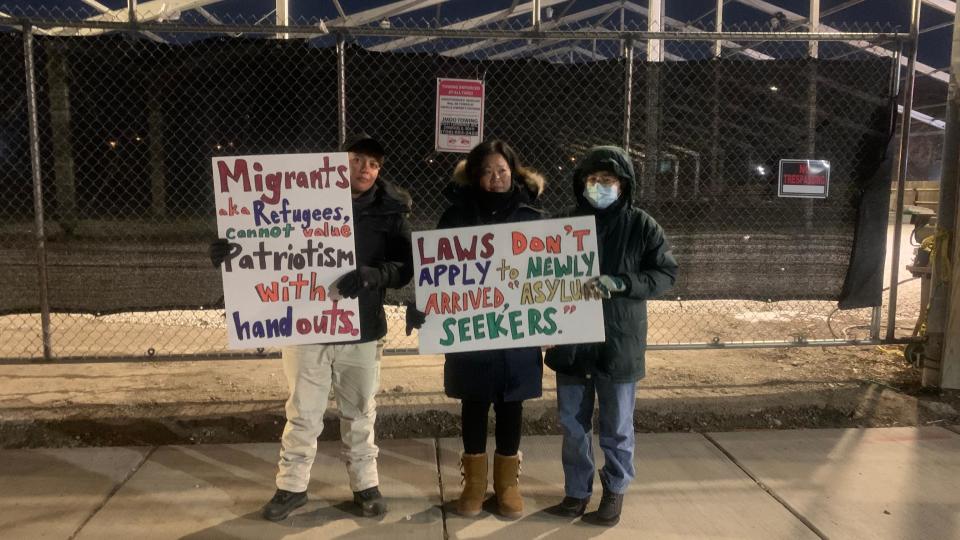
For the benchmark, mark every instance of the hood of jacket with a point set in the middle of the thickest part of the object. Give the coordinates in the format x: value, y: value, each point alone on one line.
x: 605, y: 158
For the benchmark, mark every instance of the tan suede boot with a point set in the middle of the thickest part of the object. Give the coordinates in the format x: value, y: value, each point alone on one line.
x: 506, y: 484
x: 473, y: 467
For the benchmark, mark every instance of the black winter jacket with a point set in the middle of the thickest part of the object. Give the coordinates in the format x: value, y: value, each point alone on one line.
x: 383, y: 242
x: 632, y: 246
x: 503, y: 374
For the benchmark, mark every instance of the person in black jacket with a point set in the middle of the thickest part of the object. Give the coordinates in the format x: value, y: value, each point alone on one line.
x: 491, y: 187
x: 384, y: 259
x: 636, y: 264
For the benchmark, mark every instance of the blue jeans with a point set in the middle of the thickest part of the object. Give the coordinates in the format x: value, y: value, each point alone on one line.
x: 575, y: 397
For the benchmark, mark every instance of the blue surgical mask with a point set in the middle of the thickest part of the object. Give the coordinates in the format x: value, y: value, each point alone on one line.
x: 601, y: 196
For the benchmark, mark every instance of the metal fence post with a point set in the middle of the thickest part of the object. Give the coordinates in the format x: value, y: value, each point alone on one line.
x: 876, y: 314
x: 811, y: 135
x: 718, y: 26
x: 902, y: 165
x: 813, y: 51
x: 651, y: 143
x: 39, y: 233
x: 341, y: 89
x: 627, y: 92
x: 715, y: 169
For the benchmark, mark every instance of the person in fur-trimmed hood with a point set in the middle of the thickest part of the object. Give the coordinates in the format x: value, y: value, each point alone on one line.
x: 491, y: 187
x: 477, y: 198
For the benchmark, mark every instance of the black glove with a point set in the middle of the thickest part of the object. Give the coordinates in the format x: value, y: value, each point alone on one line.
x: 354, y: 281
x: 218, y: 251
x: 415, y: 317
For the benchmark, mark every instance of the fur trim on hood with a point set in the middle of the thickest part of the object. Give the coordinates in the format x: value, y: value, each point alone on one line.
x: 534, y: 181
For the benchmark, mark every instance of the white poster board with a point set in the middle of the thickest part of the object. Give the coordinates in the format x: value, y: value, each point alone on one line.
x: 289, y: 221
x: 459, y: 114
x: 509, y: 285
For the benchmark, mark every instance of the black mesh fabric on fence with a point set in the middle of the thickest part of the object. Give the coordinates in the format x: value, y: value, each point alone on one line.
x: 733, y: 235
x: 128, y: 128
x: 18, y: 270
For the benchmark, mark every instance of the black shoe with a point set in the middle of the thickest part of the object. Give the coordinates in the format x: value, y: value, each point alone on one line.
x: 282, y: 503
x: 571, y: 507
x: 370, y: 501
x: 608, y: 513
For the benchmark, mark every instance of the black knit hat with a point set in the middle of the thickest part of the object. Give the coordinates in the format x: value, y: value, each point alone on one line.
x: 362, y: 143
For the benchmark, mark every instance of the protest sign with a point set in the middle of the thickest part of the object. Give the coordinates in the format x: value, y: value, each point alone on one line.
x: 508, y: 285
x: 289, y: 221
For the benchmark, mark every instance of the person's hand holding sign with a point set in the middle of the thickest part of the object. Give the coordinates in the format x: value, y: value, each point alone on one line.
x: 414, y: 318
x: 354, y: 281
x: 603, y: 286
x: 218, y: 251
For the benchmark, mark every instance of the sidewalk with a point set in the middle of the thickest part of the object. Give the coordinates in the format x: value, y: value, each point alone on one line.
x: 837, y: 483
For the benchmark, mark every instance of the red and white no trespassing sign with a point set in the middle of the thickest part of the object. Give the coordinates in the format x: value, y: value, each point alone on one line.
x: 459, y: 114
x: 807, y: 178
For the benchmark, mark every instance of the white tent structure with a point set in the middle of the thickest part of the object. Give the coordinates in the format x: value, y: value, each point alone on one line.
x: 546, y: 16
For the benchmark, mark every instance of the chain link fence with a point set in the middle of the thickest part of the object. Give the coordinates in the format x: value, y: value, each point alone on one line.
x: 129, y: 117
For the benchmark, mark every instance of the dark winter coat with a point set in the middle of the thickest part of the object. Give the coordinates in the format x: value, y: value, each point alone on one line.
x: 382, y: 241
x: 633, y: 247
x: 503, y: 374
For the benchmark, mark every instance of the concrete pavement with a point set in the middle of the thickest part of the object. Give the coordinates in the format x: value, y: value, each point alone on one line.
x: 831, y: 483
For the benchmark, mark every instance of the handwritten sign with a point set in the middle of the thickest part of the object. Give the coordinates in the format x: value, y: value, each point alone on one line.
x: 459, y: 114
x: 289, y: 221
x: 509, y: 285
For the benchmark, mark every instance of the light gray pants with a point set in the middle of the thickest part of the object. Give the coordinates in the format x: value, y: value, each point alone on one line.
x: 354, y: 372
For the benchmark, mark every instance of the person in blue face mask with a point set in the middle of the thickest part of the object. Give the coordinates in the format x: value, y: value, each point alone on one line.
x: 636, y: 264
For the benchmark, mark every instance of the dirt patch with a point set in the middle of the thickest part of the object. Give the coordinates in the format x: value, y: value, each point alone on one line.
x: 152, y: 403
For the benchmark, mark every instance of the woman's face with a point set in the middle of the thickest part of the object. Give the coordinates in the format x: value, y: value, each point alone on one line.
x: 364, y: 170
x: 495, y: 174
